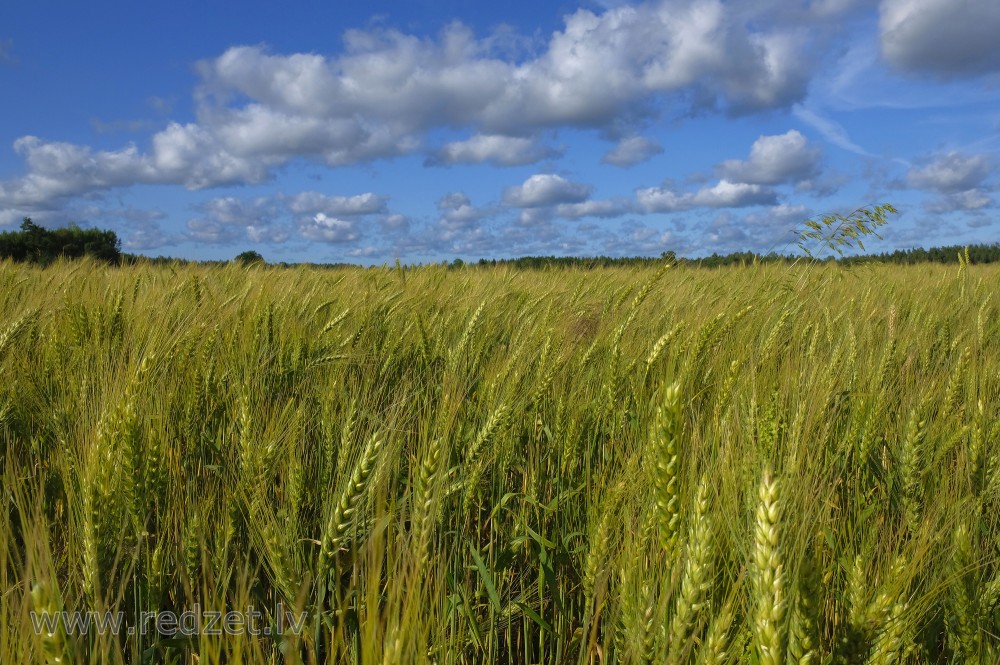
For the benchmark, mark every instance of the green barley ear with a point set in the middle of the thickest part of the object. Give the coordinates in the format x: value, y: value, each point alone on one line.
x: 664, y: 444
x: 51, y: 631
x: 157, y: 572
x: 144, y: 475
x: 724, y: 395
x: 637, y: 641
x: 588, y: 355
x: 696, y: 353
x: 191, y: 543
x: 455, y: 354
x: 426, y: 351
x: 981, y: 319
x: 425, y: 508
x: 977, y: 462
x: 661, y: 343
x: 893, y: 617
x: 545, y: 373
x: 251, y: 464
x: 803, y: 633
x: 267, y: 535
x: 859, y: 595
x: 990, y: 596
x: 954, y: 399
x: 644, y: 292
x: 476, y: 458
x: 347, y: 438
x: 769, y: 574
x: 335, y: 321
x: 962, y: 621
x: 715, y: 649
x: 345, y: 508
x: 99, y: 510
x: 911, y: 470
x: 776, y: 333
x: 599, y: 545
x: 894, y: 641
x: 16, y: 330
x: 699, y: 573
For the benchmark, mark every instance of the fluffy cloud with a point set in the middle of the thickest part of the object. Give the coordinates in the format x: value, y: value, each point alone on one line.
x: 951, y: 173
x: 12, y: 216
x: 545, y: 190
x: 772, y: 229
x: 386, y: 90
x: 142, y: 236
x: 724, y: 194
x: 59, y: 170
x: 826, y: 9
x: 493, y: 149
x: 457, y: 211
x: 774, y: 160
x: 785, y: 214
x: 636, y: 238
x: 193, y: 156
x: 941, y: 38
x: 312, y: 215
x: 970, y: 199
x: 394, y: 222
x: 590, y: 71
x: 337, y: 206
x: 632, y: 150
x: 323, y: 228
x: 775, y: 226
x: 605, y: 209
x: 228, y: 219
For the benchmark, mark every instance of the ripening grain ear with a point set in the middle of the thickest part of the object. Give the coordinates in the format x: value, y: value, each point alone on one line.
x: 664, y: 447
x: 769, y: 584
x: 697, y: 578
x: 344, y: 509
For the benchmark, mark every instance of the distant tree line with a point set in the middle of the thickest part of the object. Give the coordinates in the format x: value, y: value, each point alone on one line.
x: 948, y: 254
x: 36, y: 244
x: 978, y: 254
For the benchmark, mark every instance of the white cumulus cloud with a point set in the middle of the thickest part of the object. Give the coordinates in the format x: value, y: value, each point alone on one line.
x: 950, y: 173
x: 724, y: 194
x: 385, y: 91
x: 228, y: 219
x: 941, y: 38
x: 632, y: 150
x: 544, y: 190
x: 493, y: 149
x: 604, y: 208
x: 457, y: 211
x: 774, y: 160
x: 324, y: 228
x: 342, y: 206
x: 969, y: 199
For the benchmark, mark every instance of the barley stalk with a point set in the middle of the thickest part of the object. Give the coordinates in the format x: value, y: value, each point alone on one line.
x: 769, y: 574
x: 803, y: 633
x: 911, y: 469
x: 345, y: 507
x: 697, y: 576
x: 664, y: 444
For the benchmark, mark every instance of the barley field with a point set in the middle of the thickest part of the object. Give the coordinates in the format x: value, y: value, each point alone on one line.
x: 760, y: 464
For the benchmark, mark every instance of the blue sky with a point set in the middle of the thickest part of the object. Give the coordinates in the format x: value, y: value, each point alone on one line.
x: 433, y: 130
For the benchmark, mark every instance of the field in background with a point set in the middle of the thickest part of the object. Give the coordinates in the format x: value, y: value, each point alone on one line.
x: 759, y: 464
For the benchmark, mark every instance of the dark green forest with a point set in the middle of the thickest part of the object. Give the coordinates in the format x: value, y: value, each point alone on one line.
x: 36, y: 244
